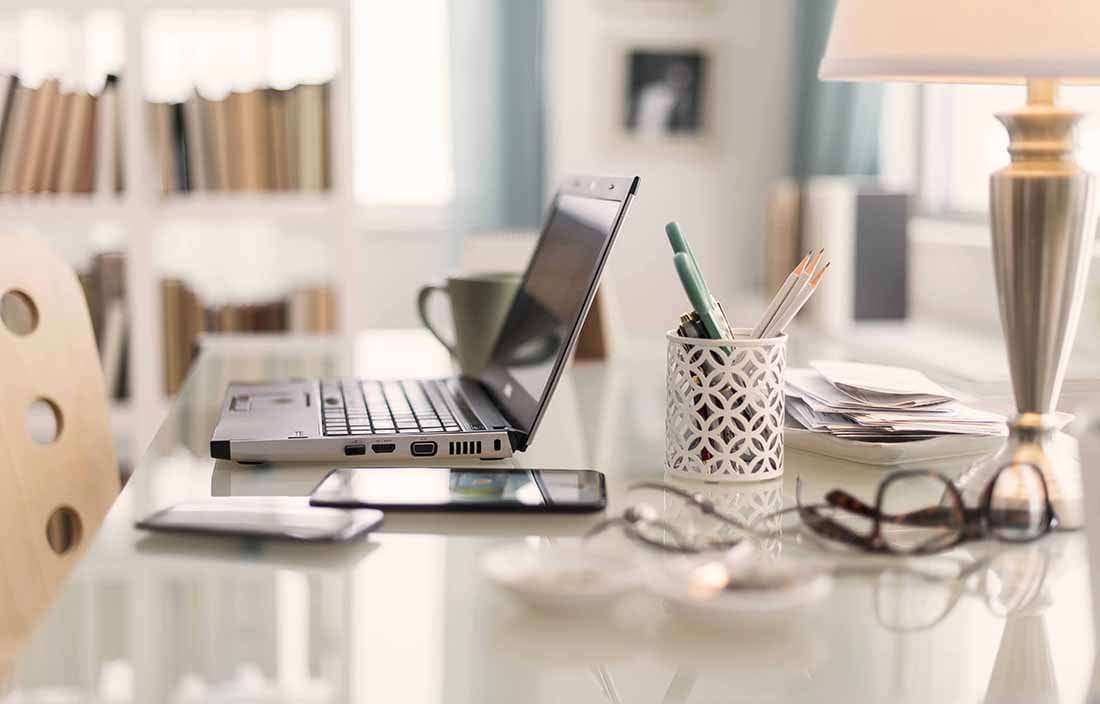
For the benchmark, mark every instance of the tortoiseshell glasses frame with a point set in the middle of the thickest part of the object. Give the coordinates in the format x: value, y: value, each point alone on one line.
x: 956, y: 522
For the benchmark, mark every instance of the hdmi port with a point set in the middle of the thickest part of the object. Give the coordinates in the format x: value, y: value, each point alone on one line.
x: 423, y: 449
x: 383, y: 447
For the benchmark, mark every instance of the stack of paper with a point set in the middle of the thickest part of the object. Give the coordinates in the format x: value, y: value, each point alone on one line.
x: 875, y: 403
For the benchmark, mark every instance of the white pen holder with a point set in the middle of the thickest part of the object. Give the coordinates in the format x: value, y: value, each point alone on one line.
x: 725, y: 407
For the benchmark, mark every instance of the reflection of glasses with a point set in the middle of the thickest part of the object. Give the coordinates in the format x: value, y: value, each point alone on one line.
x: 643, y: 523
x: 913, y: 600
x: 918, y: 512
x: 695, y: 499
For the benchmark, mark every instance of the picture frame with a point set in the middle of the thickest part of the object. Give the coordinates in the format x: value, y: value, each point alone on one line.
x: 664, y: 95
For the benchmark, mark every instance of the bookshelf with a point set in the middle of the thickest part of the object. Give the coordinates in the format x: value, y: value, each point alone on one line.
x: 141, y: 211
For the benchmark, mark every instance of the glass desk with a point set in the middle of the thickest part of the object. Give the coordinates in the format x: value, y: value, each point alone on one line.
x: 407, y: 616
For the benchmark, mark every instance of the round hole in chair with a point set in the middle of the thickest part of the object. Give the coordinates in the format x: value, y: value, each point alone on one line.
x: 18, y: 312
x: 43, y: 421
x: 63, y: 529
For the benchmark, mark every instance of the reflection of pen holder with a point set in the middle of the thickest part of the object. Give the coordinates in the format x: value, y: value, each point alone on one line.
x: 724, y: 415
x: 754, y: 505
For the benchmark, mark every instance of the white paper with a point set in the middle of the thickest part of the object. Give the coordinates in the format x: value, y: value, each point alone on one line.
x: 816, y: 404
x: 876, y: 383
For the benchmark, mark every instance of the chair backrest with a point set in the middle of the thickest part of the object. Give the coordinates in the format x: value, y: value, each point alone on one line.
x: 58, y: 475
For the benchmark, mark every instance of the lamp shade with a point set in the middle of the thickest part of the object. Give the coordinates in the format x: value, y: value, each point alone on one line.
x: 964, y: 41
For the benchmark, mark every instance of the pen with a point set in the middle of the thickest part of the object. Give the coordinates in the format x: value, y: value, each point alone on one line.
x: 679, y: 242
x: 680, y: 245
x: 697, y: 293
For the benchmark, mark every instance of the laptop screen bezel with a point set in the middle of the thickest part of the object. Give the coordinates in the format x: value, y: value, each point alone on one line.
x: 519, y: 407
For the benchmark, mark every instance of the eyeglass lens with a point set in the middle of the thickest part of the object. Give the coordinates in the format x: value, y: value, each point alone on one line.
x: 920, y: 513
x: 1018, y: 503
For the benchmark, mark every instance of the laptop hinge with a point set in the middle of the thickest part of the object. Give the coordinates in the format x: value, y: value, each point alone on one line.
x: 517, y: 439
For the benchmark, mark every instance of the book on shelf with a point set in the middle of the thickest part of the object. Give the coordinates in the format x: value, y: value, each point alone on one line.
x: 312, y: 136
x: 104, y: 285
x: 278, y: 107
x: 16, y: 127
x: 7, y: 92
x: 77, y: 132
x: 108, y: 141
x: 194, y: 124
x: 313, y: 310
x: 265, y: 139
x: 160, y: 124
x: 308, y: 310
x: 113, y: 345
x: 85, y: 166
x: 220, y: 154
x: 41, y: 112
x: 249, y: 117
x: 58, y: 142
x: 48, y: 178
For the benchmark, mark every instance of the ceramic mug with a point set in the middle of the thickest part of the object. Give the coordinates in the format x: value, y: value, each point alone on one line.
x: 479, y: 304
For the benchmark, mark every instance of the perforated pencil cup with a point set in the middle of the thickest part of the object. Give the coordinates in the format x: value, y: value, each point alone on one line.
x: 725, y: 406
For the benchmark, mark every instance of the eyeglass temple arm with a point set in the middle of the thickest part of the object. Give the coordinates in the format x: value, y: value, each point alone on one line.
x: 828, y: 527
x: 698, y: 500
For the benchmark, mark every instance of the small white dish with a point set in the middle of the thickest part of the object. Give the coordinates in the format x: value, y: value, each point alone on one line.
x: 734, y: 590
x: 561, y: 578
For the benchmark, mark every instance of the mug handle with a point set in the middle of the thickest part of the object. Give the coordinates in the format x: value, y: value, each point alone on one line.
x: 422, y: 307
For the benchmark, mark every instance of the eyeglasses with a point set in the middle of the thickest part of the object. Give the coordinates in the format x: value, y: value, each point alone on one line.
x: 643, y: 523
x: 919, y: 512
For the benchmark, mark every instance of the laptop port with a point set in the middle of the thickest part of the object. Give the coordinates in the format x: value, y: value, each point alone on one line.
x: 423, y: 449
x: 351, y: 450
x: 382, y: 448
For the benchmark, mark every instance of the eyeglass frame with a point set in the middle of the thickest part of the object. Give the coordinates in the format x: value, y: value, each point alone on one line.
x: 975, y: 522
x: 634, y: 516
x: 694, y: 499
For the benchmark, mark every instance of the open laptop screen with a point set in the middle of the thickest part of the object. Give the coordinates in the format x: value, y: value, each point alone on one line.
x: 556, y: 291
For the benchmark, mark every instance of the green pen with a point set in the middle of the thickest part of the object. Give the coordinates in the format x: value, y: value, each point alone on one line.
x: 715, y: 324
x: 679, y: 242
x: 698, y: 294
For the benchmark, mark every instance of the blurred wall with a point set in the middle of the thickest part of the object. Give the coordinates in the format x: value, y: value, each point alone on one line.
x: 716, y: 189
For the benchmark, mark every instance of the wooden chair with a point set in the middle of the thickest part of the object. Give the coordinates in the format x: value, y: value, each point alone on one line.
x: 58, y: 475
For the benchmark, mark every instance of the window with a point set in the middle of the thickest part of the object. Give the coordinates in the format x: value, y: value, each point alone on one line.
x: 402, y: 104
x: 960, y: 142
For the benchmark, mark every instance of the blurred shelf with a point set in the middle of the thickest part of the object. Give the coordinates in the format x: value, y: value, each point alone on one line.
x: 262, y: 205
x: 57, y: 207
x: 146, y: 5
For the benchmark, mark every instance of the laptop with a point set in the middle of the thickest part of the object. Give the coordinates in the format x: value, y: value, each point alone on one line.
x: 490, y: 416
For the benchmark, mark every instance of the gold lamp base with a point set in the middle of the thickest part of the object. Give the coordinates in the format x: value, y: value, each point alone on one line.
x: 1036, y: 439
x: 1043, y: 215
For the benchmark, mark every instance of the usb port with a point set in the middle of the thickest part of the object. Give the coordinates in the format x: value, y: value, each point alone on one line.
x: 351, y: 450
x: 423, y: 449
x: 382, y: 448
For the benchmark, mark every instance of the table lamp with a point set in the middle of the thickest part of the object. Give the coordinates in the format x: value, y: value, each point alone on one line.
x: 1042, y: 205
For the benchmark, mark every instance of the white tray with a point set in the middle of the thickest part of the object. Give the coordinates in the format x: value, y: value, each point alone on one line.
x: 891, y: 453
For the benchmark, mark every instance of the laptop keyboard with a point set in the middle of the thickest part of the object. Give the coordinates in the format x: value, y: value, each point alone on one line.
x: 358, y: 407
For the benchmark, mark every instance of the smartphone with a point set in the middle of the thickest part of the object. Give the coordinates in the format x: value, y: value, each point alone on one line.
x: 286, y: 519
x: 452, y: 489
